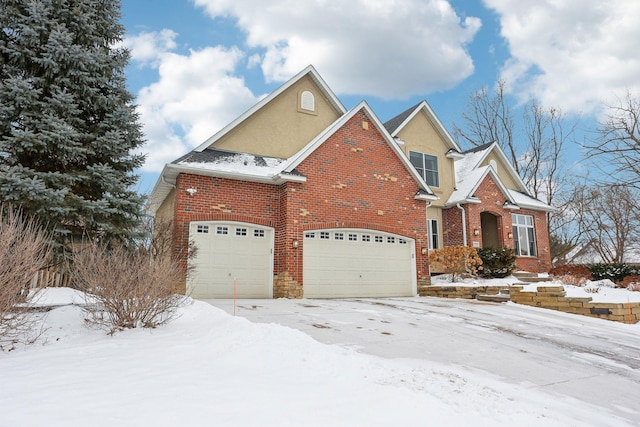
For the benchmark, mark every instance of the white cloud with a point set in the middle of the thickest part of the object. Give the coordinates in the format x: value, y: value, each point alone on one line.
x: 572, y: 54
x: 148, y: 47
x: 196, y: 94
x: 390, y: 49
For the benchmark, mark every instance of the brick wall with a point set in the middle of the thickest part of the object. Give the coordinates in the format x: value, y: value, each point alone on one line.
x: 492, y: 201
x: 218, y: 199
x: 354, y: 180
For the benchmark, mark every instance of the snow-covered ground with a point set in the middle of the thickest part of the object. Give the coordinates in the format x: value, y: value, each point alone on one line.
x: 210, y: 368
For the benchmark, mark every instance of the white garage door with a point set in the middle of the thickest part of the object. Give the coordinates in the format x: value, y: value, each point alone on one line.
x: 228, y: 251
x: 341, y: 263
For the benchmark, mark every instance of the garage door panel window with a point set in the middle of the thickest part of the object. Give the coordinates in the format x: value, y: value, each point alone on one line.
x: 202, y: 229
x: 258, y: 233
x: 222, y: 231
x: 241, y: 232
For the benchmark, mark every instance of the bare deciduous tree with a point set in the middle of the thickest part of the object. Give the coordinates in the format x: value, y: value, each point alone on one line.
x: 489, y: 119
x: 619, y: 141
x: 608, y: 220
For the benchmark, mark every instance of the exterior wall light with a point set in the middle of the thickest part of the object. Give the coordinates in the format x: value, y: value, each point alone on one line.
x: 424, y: 251
x: 476, y: 232
x: 510, y: 235
x: 295, y: 244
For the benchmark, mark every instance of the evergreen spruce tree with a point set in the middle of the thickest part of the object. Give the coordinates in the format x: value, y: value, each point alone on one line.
x: 68, y: 126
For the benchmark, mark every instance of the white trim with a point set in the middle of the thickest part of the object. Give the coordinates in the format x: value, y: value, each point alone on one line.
x: 469, y: 198
x: 310, y: 70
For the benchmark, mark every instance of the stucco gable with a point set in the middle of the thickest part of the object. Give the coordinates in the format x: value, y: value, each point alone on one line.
x: 277, y: 125
x: 395, y: 125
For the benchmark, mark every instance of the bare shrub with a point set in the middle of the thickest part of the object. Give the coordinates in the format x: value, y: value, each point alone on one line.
x: 569, y: 279
x: 126, y: 289
x: 23, y: 251
x: 592, y: 290
x: 457, y: 260
x: 635, y: 287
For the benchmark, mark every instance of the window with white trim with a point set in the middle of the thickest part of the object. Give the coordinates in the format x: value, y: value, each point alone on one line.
x: 427, y: 167
x: 378, y: 239
x: 309, y: 235
x: 258, y: 232
x: 366, y: 238
x: 241, y: 231
x: 524, y: 236
x: 391, y: 239
x: 432, y: 231
x: 222, y: 230
x: 324, y: 235
x: 353, y: 237
x: 338, y: 236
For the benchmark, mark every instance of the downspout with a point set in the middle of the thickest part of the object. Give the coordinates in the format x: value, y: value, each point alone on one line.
x: 464, y: 224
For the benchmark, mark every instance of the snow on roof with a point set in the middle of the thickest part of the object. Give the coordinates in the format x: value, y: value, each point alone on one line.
x: 525, y: 201
x: 466, y: 184
x: 247, y: 164
x: 468, y: 163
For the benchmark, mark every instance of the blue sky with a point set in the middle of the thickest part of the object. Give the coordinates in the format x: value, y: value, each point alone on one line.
x: 198, y: 64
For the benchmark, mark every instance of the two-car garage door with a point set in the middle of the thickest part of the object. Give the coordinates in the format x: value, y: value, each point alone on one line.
x: 339, y: 263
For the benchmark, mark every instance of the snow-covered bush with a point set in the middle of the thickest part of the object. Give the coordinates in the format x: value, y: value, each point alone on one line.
x: 614, y: 272
x: 23, y: 251
x: 457, y: 260
x: 125, y: 288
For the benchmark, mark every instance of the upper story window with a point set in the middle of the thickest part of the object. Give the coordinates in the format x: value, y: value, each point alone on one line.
x: 307, y: 101
x: 427, y: 167
x: 524, y: 236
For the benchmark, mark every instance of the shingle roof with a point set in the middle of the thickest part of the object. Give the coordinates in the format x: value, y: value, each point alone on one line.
x: 478, y: 148
x: 392, y: 124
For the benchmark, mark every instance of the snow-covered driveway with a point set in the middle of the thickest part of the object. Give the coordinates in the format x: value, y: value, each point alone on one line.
x: 592, y: 360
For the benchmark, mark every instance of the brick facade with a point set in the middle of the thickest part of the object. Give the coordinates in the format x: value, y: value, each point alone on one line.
x: 492, y: 201
x: 354, y: 180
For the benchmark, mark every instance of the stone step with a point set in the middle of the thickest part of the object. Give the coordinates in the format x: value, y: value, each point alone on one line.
x: 494, y: 298
x: 520, y: 274
x: 534, y: 279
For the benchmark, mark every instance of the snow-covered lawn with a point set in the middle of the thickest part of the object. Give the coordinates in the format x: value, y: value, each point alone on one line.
x: 210, y: 368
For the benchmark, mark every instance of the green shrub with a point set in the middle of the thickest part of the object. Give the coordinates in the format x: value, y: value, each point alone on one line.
x: 614, y: 272
x: 497, y: 262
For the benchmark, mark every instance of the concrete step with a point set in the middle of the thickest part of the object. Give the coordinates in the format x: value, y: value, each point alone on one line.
x: 520, y: 274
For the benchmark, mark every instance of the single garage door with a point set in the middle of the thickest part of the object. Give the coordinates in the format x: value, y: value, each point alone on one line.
x: 341, y: 263
x: 228, y: 251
